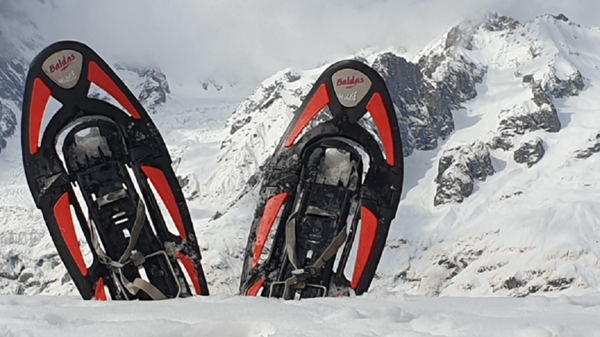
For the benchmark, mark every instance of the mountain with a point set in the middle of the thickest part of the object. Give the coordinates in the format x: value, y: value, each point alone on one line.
x: 500, y: 133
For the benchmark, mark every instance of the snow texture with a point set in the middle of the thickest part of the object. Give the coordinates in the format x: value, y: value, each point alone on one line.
x: 381, y: 313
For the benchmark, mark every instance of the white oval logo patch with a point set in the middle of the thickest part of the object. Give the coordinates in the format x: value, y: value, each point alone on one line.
x: 350, y: 86
x: 64, y: 68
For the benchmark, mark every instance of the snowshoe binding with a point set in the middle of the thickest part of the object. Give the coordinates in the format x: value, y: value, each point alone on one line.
x: 101, y: 174
x: 329, y: 191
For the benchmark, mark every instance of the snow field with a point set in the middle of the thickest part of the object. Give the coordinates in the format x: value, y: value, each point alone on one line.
x: 381, y: 313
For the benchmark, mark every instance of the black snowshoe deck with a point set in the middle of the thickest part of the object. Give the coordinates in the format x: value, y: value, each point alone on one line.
x: 329, y: 191
x: 99, y: 174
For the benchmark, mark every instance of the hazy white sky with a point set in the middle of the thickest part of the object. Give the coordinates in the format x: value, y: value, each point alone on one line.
x: 243, y: 39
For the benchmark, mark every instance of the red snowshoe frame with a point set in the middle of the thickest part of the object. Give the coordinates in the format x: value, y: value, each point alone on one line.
x: 306, y: 220
x: 112, y: 157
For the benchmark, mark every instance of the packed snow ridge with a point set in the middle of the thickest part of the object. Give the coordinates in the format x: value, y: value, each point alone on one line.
x: 500, y: 132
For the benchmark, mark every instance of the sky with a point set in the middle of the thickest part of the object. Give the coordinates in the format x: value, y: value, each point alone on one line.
x: 239, y: 40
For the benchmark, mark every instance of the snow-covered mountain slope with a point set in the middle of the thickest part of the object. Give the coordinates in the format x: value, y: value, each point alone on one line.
x: 500, y: 127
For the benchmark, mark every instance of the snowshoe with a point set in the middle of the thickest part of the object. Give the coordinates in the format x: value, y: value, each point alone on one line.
x: 101, y: 174
x: 329, y: 191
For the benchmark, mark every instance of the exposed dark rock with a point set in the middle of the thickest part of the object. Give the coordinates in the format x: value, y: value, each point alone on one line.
x: 590, y: 150
x: 459, y: 85
x: 513, y: 283
x: 541, y: 115
x: 541, y: 98
x: 484, y: 269
x: 530, y: 152
x: 12, y: 74
x: 458, y: 261
x: 212, y: 83
x: 457, y: 170
x: 506, y: 196
x: 154, y: 90
x: 423, y: 102
x: 448, y: 264
x: 66, y: 278
x: 528, y: 79
x: 239, y: 124
x: 183, y: 181
x: 561, y: 17
x: 8, y: 125
x: 495, y: 22
x: 254, y: 179
x: 503, y: 141
x: 291, y: 77
x: 456, y: 38
x: 11, y: 267
x: 424, y: 105
x: 216, y: 216
x: 361, y: 59
x: 404, y: 81
x: 543, y: 118
x: 537, y: 114
x: 535, y: 51
x: 559, y: 284
x: 452, y: 81
x: 562, y: 88
x: 266, y: 95
x: 26, y: 275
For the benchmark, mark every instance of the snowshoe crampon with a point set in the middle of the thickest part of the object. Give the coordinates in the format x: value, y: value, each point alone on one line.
x: 329, y: 191
x: 102, y: 177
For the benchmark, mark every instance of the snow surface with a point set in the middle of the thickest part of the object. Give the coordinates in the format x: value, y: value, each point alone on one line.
x: 381, y: 313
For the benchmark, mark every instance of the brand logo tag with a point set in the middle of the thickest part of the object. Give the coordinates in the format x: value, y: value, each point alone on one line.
x: 64, y: 68
x: 349, y: 97
x: 350, y: 86
x: 350, y: 82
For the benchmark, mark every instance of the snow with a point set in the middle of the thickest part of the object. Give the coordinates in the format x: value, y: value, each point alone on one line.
x: 335, y: 168
x: 383, y: 313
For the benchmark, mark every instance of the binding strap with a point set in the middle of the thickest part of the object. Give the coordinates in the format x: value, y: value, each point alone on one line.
x: 136, y: 258
x: 301, y: 275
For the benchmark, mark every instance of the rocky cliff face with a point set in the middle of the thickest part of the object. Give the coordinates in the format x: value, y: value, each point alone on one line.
x: 8, y: 124
x: 18, y: 37
x: 458, y: 168
x: 12, y: 75
x: 154, y: 88
x: 425, y: 91
x: 423, y: 95
x: 149, y: 85
x: 525, y: 48
x: 593, y: 147
x: 530, y: 151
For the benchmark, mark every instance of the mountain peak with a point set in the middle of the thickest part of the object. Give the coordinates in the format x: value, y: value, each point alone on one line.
x: 496, y: 22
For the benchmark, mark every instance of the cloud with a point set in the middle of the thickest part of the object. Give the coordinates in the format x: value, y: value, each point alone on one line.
x: 250, y: 40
